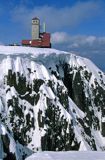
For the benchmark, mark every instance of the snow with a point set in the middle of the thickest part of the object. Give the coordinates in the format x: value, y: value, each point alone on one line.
x: 99, y: 139
x: 70, y: 155
x: 12, y: 145
x: 13, y: 92
x: 18, y: 66
x: 42, y: 59
x: 1, y: 106
x: 72, y: 106
x: 103, y: 119
x: 3, y: 129
x: 83, y: 146
x: 38, y: 71
x: 7, y: 65
x: 47, y: 91
x: 1, y: 145
x: 10, y: 50
x: 77, y: 61
x: 34, y: 63
x: 8, y: 96
x: 38, y: 132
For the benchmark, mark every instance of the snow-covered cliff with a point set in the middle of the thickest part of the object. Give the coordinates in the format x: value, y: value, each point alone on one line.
x: 49, y: 100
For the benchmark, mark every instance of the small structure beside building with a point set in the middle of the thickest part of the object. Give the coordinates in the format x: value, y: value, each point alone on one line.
x: 39, y: 39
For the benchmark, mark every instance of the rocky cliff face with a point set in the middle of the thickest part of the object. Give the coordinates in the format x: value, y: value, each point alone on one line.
x: 49, y: 100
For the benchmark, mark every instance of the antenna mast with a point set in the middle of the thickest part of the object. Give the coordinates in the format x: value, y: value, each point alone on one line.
x: 44, y: 27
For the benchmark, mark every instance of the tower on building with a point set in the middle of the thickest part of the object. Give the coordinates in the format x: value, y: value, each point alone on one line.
x: 35, y: 28
x: 39, y: 39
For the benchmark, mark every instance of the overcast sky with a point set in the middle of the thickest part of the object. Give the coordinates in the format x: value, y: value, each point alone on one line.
x: 75, y: 25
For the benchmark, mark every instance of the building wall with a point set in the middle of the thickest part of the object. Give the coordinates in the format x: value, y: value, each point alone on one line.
x: 35, y: 29
x: 44, y: 41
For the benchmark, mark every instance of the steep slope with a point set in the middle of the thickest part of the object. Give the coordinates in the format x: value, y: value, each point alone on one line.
x: 50, y: 100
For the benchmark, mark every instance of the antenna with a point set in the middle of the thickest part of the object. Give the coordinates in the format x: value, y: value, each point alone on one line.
x: 44, y: 27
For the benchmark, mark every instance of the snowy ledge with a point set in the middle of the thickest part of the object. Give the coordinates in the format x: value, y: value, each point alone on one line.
x: 9, y: 50
x: 70, y: 155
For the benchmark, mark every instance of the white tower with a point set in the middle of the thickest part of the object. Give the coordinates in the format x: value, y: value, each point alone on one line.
x: 35, y: 28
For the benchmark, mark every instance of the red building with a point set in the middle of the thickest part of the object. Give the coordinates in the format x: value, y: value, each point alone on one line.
x: 41, y: 40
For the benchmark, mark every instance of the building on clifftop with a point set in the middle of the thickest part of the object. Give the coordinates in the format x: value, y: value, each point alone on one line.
x: 41, y: 40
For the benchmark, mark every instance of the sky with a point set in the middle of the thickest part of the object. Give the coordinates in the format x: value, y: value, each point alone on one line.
x: 75, y: 25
